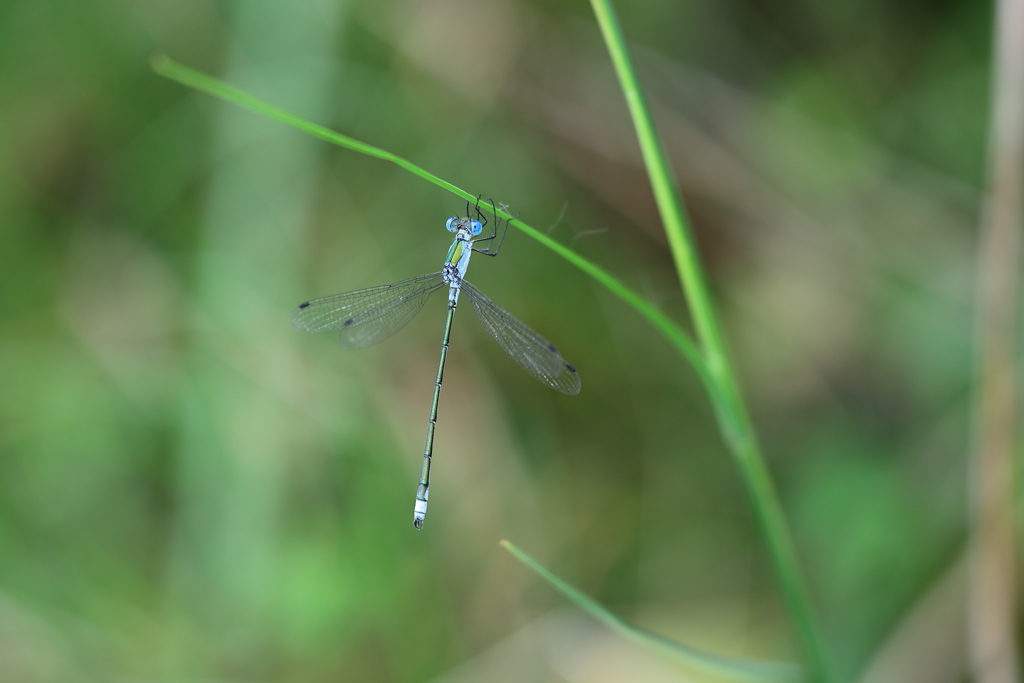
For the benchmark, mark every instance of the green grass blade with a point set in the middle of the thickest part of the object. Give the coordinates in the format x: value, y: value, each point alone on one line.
x: 731, y: 667
x: 729, y: 405
x: 168, y: 68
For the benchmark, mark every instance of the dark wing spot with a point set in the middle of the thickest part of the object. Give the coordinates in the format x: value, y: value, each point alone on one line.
x: 303, y: 305
x: 348, y: 322
x: 552, y: 349
x: 571, y: 368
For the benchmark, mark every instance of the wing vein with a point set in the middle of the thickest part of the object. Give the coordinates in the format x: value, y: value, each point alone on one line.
x: 530, y: 350
x: 367, y: 316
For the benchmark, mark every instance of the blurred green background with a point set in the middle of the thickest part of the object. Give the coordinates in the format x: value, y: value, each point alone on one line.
x: 190, y: 490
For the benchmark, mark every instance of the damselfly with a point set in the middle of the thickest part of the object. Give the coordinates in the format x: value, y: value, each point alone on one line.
x: 368, y: 316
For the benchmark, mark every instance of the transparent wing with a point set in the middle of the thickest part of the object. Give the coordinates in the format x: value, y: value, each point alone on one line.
x: 367, y: 316
x: 534, y: 353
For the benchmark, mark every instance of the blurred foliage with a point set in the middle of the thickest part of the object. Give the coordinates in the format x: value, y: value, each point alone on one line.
x: 191, y: 490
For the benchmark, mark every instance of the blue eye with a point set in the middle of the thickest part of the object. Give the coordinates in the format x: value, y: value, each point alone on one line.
x: 451, y: 224
x: 476, y: 227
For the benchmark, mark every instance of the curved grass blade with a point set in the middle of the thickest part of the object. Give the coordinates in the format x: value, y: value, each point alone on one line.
x: 729, y: 405
x: 532, y: 352
x: 676, y: 336
x: 367, y: 316
x: 730, y: 667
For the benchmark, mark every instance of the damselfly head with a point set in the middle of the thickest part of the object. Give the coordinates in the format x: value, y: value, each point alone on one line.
x: 470, y: 226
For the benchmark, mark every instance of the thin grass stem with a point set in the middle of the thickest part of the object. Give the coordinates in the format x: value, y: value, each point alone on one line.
x: 993, y: 582
x: 727, y: 398
x: 731, y: 667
